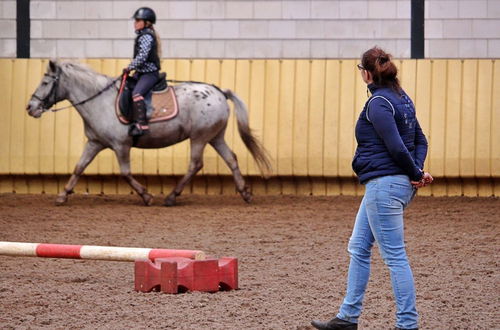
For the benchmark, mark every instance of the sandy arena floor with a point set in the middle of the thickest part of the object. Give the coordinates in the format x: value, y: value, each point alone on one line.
x: 292, y: 254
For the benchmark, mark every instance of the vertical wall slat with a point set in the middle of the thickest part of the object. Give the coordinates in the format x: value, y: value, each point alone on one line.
x: 453, y: 110
x: 32, y: 142
x: 269, y: 136
x: 347, y: 105
x: 316, y: 106
x: 257, y: 92
x: 495, y: 123
x: 301, y: 117
x: 331, y: 118
x: 18, y: 104
x: 483, y: 118
x: 286, y: 119
x: 6, y: 67
x: 468, y: 122
x: 438, y: 122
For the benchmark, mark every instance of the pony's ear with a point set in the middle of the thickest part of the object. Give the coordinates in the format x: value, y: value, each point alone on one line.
x: 52, y: 65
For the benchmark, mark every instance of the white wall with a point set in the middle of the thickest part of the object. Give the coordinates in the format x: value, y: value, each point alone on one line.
x: 256, y: 28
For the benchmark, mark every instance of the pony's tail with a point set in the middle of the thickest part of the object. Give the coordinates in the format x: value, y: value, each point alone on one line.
x: 255, y: 147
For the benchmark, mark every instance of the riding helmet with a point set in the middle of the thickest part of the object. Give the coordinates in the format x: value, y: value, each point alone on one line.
x: 145, y: 13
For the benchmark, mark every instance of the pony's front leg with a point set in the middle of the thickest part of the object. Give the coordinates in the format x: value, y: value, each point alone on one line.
x: 123, y: 156
x: 195, y: 165
x: 92, y: 148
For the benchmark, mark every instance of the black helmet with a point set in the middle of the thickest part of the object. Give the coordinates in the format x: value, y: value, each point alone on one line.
x: 146, y: 14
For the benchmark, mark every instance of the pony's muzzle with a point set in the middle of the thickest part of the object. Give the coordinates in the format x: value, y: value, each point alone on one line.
x: 34, y: 110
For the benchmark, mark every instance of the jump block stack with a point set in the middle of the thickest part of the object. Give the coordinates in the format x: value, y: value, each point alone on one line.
x: 177, y: 274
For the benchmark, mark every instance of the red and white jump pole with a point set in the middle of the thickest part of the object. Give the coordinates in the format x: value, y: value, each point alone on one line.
x: 111, y: 253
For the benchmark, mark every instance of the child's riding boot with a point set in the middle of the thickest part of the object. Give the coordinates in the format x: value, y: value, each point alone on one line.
x: 140, y: 125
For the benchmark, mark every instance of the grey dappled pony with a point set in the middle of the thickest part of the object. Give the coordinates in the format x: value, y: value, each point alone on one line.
x: 202, y: 117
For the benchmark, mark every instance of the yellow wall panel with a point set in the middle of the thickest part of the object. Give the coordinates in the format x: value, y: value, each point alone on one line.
x: 331, y: 119
x: 408, y: 76
x: 345, y: 144
x: 304, y: 112
x: 269, y: 136
x: 17, y: 118
x: 32, y: 125
x: 495, y: 121
x: 301, y: 117
x: 436, y: 155
x: 6, y: 68
x: 453, y: 110
x: 316, y: 116
x: 483, y: 114
x: 469, y: 116
x: 256, y: 115
x: 284, y: 160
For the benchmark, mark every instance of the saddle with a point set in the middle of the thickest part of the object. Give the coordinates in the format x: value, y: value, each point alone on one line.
x: 161, y: 101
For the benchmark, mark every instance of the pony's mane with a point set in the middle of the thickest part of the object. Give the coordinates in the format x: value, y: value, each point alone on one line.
x: 90, y: 80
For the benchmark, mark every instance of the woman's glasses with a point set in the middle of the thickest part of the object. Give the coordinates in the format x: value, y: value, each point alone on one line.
x: 360, y: 67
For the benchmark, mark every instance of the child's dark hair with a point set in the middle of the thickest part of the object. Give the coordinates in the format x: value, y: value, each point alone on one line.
x: 379, y: 64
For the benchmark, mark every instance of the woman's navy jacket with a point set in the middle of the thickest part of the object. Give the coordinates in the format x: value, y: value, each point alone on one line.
x: 390, y: 140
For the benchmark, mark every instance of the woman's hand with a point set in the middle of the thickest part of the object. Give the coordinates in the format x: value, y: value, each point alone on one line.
x: 426, y: 180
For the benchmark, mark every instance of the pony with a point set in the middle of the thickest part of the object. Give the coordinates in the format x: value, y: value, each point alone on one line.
x: 202, y: 118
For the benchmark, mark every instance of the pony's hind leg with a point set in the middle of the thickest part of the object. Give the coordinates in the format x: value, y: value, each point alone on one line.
x: 195, y: 165
x: 229, y: 157
x: 91, y: 149
x: 123, y: 156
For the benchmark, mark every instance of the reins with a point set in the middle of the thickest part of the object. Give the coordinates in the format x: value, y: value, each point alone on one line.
x: 90, y: 98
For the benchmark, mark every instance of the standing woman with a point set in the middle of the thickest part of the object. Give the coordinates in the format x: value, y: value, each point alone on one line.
x: 389, y: 161
x: 146, y: 63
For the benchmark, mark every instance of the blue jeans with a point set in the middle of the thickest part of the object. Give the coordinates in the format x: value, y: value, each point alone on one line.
x: 380, y: 219
x: 145, y: 82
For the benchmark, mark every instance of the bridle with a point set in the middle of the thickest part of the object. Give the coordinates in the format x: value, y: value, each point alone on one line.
x: 53, y: 94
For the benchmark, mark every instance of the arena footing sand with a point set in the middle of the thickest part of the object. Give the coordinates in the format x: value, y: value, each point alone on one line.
x: 291, y: 251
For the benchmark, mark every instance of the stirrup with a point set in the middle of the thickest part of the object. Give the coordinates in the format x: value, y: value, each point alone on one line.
x: 137, y: 130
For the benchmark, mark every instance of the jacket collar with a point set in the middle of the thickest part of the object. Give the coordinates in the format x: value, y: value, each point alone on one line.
x: 372, y: 87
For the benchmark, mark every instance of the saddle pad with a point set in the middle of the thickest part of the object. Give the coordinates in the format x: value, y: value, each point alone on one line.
x: 163, y: 103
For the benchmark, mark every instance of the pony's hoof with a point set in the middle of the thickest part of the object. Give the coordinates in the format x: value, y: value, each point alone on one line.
x: 148, y: 199
x: 61, y: 200
x: 169, y: 201
x: 247, y: 196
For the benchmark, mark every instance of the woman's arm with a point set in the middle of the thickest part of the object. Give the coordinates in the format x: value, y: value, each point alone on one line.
x: 382, y: 118
x: 420, y: 146
x: 145, y: 45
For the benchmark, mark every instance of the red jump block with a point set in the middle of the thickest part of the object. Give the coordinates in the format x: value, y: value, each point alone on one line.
x: 174, y: 275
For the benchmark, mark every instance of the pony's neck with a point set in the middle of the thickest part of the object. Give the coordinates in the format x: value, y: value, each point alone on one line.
x: 79, y: 88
